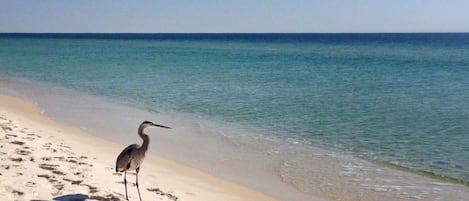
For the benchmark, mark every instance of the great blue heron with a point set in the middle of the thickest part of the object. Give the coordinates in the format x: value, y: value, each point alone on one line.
x: 132, y: 157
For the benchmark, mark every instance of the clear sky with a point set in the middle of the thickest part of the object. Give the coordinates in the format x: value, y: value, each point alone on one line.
x: 175, y: 16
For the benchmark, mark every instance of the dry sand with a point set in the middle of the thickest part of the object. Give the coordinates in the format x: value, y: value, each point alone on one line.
x: 42, y: 159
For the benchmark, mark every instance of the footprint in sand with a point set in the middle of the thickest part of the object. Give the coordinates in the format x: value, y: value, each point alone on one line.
x: 64, y: 146
x: 104, y: 198
x: 6, y: 128
x: 45, y: 158
x: 17, y: 142
x: 162, y: 193
x: 59, y: 186
x: 58, y: 172
x: 16, y: 159
x: 29, y: 138
x: 72, y: 161
x: 44, y: 176
x: 47, y: 145
x: 73, y: 182
x: 30, y: 184
x: 60, y: 158
x: 34, y: 135
x: 18, y: 192
x: 52, y: 168
x: 91, y: 189
x: 7, y: 136
x: 78, y: 174
x: 56, y: 183
x: 22, y: 152
x: 46, y: 166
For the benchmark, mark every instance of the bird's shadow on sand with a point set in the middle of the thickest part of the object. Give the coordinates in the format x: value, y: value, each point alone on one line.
x: 70, y: 197
x: 83, y: 197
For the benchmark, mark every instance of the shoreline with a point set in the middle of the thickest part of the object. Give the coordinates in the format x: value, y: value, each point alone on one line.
x: 222, y: 156
x: 298, y: 174
x: 46, y: 159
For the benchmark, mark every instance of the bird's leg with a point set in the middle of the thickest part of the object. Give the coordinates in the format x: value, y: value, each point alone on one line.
x: 136, y: 183
x: 125, y: 184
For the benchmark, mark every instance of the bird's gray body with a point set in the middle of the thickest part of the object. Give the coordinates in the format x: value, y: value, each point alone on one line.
x: 127, y: 159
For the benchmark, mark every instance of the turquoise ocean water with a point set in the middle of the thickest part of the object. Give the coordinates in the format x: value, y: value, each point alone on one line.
x: 399, y: 99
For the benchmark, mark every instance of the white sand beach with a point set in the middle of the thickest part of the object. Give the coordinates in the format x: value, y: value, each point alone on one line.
x: 45, y: 160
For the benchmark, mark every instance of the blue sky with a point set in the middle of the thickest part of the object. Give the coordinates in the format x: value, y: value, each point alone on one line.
x: 175, y: 16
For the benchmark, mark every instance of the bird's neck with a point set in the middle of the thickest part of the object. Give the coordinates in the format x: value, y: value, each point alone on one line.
x: 145, y: 138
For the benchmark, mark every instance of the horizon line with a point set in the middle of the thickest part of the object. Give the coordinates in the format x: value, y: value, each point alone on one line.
x: 234, y: 33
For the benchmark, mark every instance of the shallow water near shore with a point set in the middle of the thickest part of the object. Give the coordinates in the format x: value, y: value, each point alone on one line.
x: 285, y: 169
x: 279, y: 103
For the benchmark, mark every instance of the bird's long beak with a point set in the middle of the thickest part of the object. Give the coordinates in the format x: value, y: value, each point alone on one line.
x: 161, y: 126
